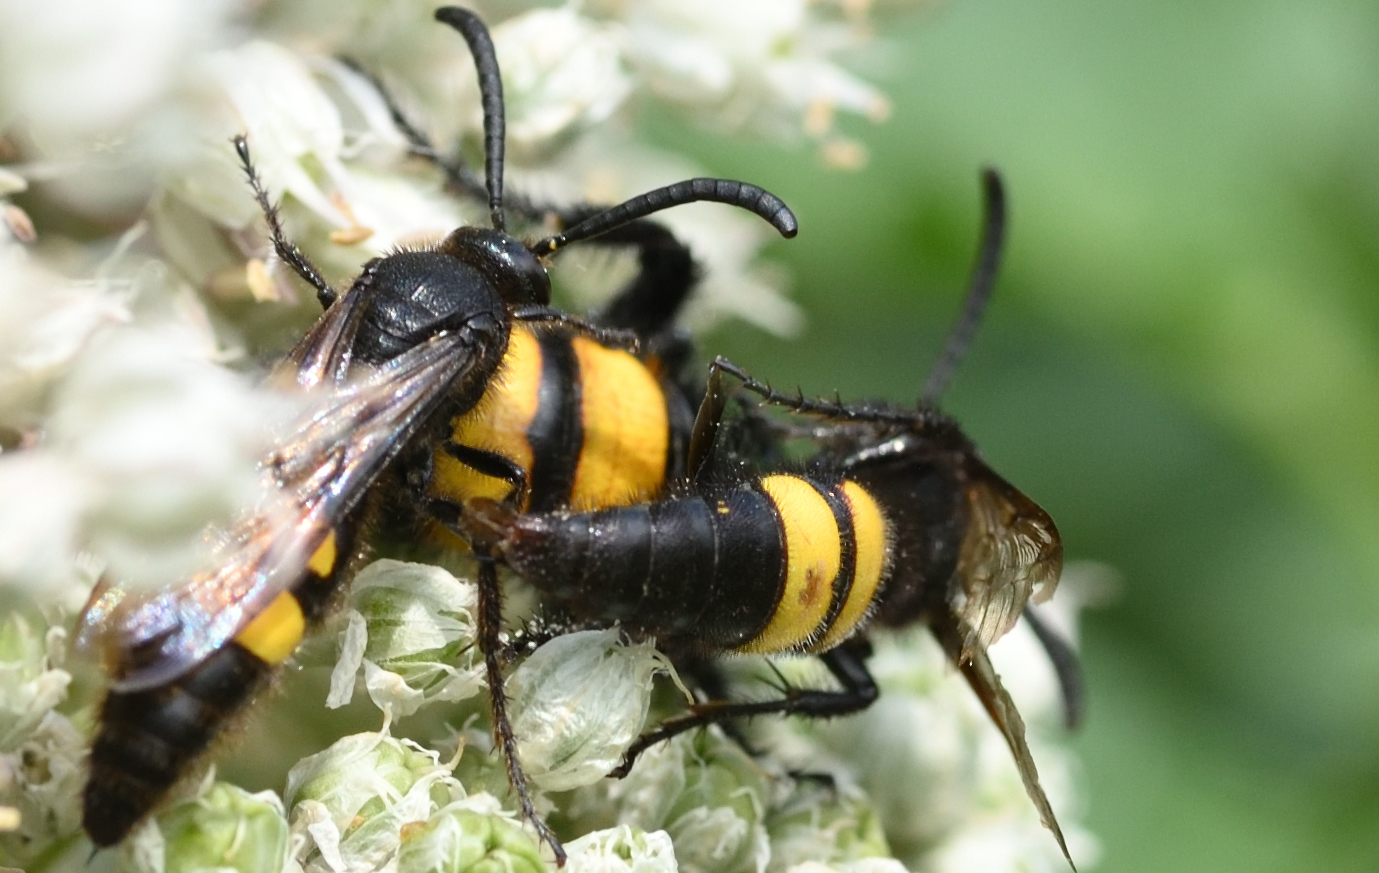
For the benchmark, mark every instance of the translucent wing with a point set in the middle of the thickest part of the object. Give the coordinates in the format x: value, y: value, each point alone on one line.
x: 1010, y: 554
x: 311, y: 482
x: 972, y: 660
x: 322, y: 357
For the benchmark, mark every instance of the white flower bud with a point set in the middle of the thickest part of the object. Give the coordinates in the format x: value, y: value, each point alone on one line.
x: 40, y: 782
x: 762, y: 65
x: 31, y: 680
x: 915, y: 749
x: 832, y: 823
x: 578, y: 702
x: 411, y: 628
x: 708, y: 794
x: 622, y: 849
x: 562, y: 73
x: 170, y: 442
x: 354, y: 800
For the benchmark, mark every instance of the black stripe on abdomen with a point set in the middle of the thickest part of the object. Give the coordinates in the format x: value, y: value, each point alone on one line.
x: 556, y: 435
x: 148, y: 739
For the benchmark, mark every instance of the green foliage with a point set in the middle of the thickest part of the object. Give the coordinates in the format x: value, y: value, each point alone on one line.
x: 1181, y: 364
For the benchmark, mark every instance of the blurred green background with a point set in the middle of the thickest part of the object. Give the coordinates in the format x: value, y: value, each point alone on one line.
x: 1181, y: 364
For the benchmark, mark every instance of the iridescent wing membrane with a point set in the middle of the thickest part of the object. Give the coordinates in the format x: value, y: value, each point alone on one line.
x: 1012, y: 554
x: 352, y: 426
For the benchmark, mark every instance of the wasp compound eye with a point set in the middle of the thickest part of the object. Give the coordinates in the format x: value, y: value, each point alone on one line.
x: 506, y: 262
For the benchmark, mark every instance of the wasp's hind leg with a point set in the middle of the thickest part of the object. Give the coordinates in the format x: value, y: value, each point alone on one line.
x: 491, y: 644
x: 1066, y: 666
x: 847, y: 665
x: 495, y: 651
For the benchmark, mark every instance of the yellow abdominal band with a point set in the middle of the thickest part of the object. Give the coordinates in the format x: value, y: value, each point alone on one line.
x: 273, y: 634
x: 871, y: 535
x: 813, y: 552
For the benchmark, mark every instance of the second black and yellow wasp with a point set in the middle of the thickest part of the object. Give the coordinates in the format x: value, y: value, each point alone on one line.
x: 895, y: 520
x: 447, y: 368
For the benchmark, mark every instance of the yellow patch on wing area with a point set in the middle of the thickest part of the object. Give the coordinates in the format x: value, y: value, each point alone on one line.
x: 274, y: 633
x: 323, y: 560
x: 498, y: 423
x: 626, y: 429
x: 871, y: 533
x: 813, y: 554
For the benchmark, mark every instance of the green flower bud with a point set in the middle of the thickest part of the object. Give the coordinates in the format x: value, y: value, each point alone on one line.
x: 707, y: 793
x: 470, y: 836
x: 622, y: 849
x: 578, y: 702
x: 411, y: 628
x: 355, y: 798
x: 225, y: 829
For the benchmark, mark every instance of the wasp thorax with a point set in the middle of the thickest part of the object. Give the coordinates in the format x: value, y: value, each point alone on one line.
x: 416, y: 295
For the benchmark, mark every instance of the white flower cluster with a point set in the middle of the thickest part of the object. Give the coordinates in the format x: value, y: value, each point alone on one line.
x: 941, y: 776
x: 133, y: 300
x: 921, y: 775
x: 112, y: 350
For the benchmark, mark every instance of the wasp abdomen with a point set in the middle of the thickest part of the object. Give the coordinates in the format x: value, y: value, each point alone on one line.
x: 781, y: 563
x: 149, y: 738
x: 590, y: 426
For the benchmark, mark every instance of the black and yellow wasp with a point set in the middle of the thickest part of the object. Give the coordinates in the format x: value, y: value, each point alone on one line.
x: 443, y: 371
x: 895, y: 520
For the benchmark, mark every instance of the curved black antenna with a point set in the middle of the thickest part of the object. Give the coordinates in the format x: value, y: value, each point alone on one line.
x: 740, y: 194
x: 491, y: 94
x: 979, y: 287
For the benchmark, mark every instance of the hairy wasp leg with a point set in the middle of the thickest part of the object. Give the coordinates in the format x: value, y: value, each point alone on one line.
x: 765, y: 433
x: 447, y: 513
x: 833, y: 410
x: 614, y: 337
x: 458, y: 177
x: 490, y: 615
x: 287, y: 251
x: 704, y: 446
x: 796, y: 402
x: 491, y: 644
x: 708, y: 683
x: 494, y: 466
x: 1067, y: 666
x: 845, y: 663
